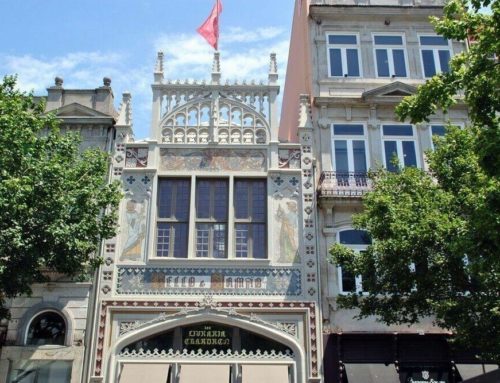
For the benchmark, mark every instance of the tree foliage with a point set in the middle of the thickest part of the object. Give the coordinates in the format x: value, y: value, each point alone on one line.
x: 56, y: 202
x: 436, y: 242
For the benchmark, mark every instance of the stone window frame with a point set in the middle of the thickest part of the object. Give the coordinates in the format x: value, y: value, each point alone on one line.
x: 343, y: 48
x: 35, y: 311
x: 391, y: 47
x: 399, y: 140
x: 358, y: 278
x: 435, y: 51
x: 347, y: 137
x: 231, y: 221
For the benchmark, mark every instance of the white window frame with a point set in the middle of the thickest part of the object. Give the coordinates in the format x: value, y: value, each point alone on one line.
x: 349, y: 138
x: 390, y: 56
x: 343, y: 53
x: 435, y: 52
x: 357, y: 278
x: 399, y: 144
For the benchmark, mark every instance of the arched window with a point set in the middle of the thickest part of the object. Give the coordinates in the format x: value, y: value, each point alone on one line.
x: 358, y: 240
x: 49, y: 327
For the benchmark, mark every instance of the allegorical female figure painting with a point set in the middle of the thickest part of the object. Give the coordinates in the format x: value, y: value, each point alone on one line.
x: 287, y: 219
x: 135, y: 231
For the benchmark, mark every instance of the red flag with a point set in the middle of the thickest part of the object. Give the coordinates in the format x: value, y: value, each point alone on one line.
x: 210, y: 28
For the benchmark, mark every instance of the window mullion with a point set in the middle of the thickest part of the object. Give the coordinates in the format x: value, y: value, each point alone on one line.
x: 343, y: 56
x: 192, y: 232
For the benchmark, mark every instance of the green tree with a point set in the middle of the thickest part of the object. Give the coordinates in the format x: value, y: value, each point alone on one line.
x: 436, y: 242
x: 56, y: 203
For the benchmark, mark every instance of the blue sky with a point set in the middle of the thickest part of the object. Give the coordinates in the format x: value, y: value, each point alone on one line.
x: 83, y: 41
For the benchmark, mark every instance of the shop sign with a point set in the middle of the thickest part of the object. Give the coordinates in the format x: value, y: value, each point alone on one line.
x: 417, y: 375
x: 206, y: 337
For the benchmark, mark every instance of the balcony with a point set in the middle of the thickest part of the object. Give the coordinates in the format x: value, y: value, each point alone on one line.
x: 341, y: 185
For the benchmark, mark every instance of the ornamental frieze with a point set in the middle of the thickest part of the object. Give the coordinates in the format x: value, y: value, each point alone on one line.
x: 199, y: 281
x: 213, y: 159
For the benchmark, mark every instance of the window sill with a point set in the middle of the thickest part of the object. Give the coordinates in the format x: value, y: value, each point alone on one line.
x: 211, y: 261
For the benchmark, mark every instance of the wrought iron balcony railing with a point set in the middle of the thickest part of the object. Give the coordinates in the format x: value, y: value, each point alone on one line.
x: 342, y: 184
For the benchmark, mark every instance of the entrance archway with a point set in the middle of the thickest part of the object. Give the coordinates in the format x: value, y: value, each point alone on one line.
x: 241, y: 364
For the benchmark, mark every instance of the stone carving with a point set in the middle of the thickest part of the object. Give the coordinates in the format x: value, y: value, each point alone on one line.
x: 208, y: 281
x: 289, y: 158
x: 211, y: 355
x: 213, y: 159
x: 136, y: 158
x: 134, y: 218
x: 288, y: 327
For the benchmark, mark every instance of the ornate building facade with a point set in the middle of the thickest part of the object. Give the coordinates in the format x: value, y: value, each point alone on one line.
x: 360, y: 58
x: 213, y: 273
x: 46, y: 335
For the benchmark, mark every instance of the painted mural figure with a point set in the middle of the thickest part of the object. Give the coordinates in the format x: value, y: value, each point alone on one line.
x: 136, y: 231
x: 288, y: 235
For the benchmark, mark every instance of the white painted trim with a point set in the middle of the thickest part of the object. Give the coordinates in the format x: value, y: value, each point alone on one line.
x: 343, y: 53
x: 349, y: 139
x: 390, y: 57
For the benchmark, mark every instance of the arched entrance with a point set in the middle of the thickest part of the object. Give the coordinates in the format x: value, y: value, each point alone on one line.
x: 207, y: 347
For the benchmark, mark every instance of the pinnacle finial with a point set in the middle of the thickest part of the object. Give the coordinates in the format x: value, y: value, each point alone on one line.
x: 273, y: 69
x: 158, y: 75
x: 304, y: 111
x: 216, y: 68
x: 159, y: 63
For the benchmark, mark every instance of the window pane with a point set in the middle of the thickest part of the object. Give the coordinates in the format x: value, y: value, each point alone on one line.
x: 409, y: 155
x: 220, y: 199
x: 336, y: 63
x: 165, y: 198
x: 397, y: 130
x: 429, y: 64
x: 353, y: 130
x: 399, y: 62
x: 341, y: 162
x: 180, y: 234
x: 163, y: 239
x: 182, y: 199
x: 47, y: 328
x: 259, y: 194
x: 352, y: 62
x: 342, y: 39
x: 259, y: 241
x: 391, y: 153
x: 433, y: 40
x: 444, y: 58
x: 348, y: 282
x: 354, y: 237
x: 40, y: 371
x: 438, y: 130
x: 202, y: 239
x: 241, y: 191
x: 359, y: 154
x: 382, y: 63
x: 389, y: 40
x: 203, y: 199
x: 242, y: 234
x: 219, y: 241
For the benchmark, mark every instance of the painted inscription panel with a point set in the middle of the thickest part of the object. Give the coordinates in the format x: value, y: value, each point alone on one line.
x: 224, y: 281
x: 213, y: 159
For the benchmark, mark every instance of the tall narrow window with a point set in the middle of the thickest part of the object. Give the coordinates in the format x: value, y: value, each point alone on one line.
x: 173, y: 217
x: 358, y: 240
x: 399, y: 144
x: 390, y: 55
x: 343, y: 55
x: 250, y: 218
x: 211, y: 217
x: 436, y: 55
x: 349, y: 153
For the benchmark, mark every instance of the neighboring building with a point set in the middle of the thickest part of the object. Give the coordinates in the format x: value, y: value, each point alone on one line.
x: 45, y: 337
x: 213, y: 275
x: 355, y: 61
